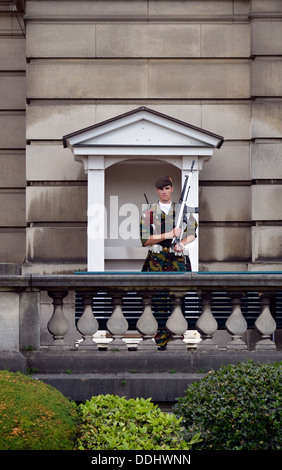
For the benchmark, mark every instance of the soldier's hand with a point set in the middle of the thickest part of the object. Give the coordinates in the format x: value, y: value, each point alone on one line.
x: 179, y: 247
x: 176, y: 232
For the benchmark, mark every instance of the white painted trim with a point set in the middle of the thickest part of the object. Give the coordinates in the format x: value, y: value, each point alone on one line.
x: 142, y: 150
x: 96, y: 220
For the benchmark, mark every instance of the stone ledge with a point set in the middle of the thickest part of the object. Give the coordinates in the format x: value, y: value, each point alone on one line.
x: 162, y: 376
x: 190, y: 361
x: 13, y: 361
x: 160, y: 387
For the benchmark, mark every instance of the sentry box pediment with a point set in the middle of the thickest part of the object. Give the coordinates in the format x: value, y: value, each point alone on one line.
x: 142, y: 132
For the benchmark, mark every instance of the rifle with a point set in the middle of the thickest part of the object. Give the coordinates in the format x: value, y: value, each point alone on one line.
x: 148, y: 204
x: 184, y: 208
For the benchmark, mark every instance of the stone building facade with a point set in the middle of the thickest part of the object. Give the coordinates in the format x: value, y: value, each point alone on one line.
x: 66, y: 65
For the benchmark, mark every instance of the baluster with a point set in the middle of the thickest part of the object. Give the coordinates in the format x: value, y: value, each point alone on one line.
x: 117, y: 324
x: 265, y: 324
x: 177, y: 324
x: 147, y: 325
x: 236, y: 324
x: 87, y: 325
x: 206, y: 324
x: 58, y: 325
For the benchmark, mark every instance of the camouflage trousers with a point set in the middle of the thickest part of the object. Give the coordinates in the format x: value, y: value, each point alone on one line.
x: 166, y: 261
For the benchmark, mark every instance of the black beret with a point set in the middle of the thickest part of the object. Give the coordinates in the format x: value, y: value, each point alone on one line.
x: 163, y: 181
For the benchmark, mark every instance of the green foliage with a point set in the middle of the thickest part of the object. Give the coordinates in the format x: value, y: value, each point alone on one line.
x: 111, y: 422
x: 34, y: 416
x: 235, y: 408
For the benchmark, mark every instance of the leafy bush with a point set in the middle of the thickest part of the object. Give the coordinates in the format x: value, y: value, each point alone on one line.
x: 111, y: 422
x: 34, y: 416
x: 235, y: 408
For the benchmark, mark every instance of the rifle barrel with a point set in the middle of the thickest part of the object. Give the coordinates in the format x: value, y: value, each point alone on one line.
x: 183, y: 199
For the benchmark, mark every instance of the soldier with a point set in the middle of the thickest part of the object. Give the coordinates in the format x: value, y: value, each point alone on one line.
x: 157, y: 230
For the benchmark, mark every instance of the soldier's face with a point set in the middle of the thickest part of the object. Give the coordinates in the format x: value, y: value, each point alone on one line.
x: 165, y: 194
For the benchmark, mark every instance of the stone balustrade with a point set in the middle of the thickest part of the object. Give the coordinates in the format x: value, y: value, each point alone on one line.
x: 176, y: 324
x: 19, y: 294
x: 21, y: 309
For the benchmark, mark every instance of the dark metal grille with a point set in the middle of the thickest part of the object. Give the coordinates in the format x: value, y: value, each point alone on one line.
x: 191, y: 306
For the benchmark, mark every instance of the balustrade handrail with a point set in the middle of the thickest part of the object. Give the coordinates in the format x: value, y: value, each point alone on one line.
x: 224, y: 280
x: 208, y: 280
x: 116, y: 284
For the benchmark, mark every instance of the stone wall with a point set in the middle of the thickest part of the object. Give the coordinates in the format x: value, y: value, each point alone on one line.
x: 213, y: 64
x: 12, y: 134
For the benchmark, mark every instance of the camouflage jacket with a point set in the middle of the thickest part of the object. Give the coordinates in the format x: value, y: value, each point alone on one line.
x: 154, y: 222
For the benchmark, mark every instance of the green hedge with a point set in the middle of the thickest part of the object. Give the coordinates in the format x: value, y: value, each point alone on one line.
x: 234, y: 408
x: 112, y: 422
x: 34, y: 416
x: 237, y: 407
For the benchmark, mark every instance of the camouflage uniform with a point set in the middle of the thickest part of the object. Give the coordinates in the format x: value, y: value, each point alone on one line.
x: 155, y: 221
